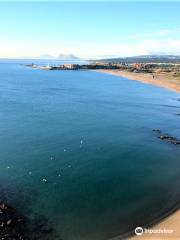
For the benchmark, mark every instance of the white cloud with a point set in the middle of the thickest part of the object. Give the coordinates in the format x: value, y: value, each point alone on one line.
x: 161, y: 33
x: 92, y: 50
x: 170, y: 46
x: 143, y: 47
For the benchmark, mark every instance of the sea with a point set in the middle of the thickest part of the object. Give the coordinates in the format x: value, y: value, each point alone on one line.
x: 78, y: 151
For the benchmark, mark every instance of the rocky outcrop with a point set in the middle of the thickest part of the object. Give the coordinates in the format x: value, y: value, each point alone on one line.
x: 167, y: 137
x: 12, y: 224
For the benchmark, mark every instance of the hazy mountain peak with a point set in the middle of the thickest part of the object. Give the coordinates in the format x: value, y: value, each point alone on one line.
x: 67, y: 57
x: 46, y: 56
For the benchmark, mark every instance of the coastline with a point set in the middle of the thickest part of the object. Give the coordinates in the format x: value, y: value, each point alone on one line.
x: 165, y: 228
x: 171, y: 223
x: 161, y: 80
x: 153, y: 237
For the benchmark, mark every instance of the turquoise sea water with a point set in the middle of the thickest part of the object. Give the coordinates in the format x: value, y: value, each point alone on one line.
x: 77, y: 148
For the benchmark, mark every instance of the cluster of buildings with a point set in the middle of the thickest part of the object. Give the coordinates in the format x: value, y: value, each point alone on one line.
x: 90, y: 66
x: 93, y: 66
x: 133, y: 67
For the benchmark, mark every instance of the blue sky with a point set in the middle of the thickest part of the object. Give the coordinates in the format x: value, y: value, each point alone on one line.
x: 89, y: 29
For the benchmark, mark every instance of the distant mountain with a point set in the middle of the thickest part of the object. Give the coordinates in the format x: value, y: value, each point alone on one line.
x: 46, y: 56
x: 67, y: 57
x: 59, y: 57
x: 144, y: 59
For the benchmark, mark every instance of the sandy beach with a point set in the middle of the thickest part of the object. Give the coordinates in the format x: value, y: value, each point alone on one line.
x: 170, y: 224
x: 167, y: 229
x: 162, y: 79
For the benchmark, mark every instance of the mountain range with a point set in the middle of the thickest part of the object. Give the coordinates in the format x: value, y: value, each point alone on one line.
x: 145, y: 59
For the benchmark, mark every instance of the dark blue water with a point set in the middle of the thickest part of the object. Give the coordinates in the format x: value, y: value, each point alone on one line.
x: 77, y: 148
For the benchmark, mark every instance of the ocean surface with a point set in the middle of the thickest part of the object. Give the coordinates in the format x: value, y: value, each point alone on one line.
x: 77, y: 149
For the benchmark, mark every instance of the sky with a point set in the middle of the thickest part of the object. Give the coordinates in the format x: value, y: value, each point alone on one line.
x: 89, y: 29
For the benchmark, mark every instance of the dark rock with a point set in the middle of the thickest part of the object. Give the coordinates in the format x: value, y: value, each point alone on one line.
x: 9, y: 222
x: 11, y: 229
x: 167, y: 137
x: 15, y: 226
x: 156, y: 130
x: 3, y: 206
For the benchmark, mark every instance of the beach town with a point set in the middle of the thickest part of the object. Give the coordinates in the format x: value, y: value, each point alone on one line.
x: 163, y: 74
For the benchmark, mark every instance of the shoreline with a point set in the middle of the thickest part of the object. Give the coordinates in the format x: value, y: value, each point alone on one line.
x: 168, y: 222
x: 174, y: 217
x: 171, y: 221
x: 161, y: 80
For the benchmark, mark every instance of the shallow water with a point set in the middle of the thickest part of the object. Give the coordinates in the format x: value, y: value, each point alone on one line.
x: 89, y: 136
